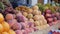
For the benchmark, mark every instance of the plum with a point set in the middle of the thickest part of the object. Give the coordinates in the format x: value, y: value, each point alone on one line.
x: 31, y: 24
x: 19, y: 32
x: 17, y: 26
x: 24, y: 25
x: 21, y: 18
x: 9, y: 9
x: 14, y: 11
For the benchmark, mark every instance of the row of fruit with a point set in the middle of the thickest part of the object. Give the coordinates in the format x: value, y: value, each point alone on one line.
x: 24, y: 20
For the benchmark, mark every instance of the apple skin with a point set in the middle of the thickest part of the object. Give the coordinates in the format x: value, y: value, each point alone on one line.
x: 50, y: 19
x: 48, y: 11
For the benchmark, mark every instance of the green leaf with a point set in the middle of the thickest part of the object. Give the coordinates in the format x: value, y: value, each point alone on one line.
x: 1, y: 5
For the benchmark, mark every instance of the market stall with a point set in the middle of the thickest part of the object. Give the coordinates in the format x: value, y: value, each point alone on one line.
x: 25, y: 17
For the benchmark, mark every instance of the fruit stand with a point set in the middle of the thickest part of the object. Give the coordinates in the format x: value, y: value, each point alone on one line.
x: 16, y: 18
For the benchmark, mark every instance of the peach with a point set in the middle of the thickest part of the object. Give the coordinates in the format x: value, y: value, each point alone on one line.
x: 12, y: 22
x: 17, y: 26
x: 9, y: 17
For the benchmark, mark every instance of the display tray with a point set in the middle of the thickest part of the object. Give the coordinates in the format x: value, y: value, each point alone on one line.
x: 45, y: 31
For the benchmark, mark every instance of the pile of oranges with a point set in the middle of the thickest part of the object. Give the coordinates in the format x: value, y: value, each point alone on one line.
x: 4, y: 26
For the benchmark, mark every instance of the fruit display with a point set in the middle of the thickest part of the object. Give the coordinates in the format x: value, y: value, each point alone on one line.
x: 33, y: 15
x: 4, y: 26
x: 25, y: 20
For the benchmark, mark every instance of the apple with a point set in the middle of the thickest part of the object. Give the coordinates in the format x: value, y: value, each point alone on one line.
x: 29, y: 10
x: 50, y: 20
x: 48, y: 15
x: 36, y: 12
x: 48, y: 11
x: 35, y: 7
x: 31, y: 20
x: 37, y: 23
x: 30, y: 16
x: 25, y: 14
x: 36, y: 17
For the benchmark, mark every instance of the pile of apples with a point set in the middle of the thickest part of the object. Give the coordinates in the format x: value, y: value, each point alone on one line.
x: 33, y: 15
x: 52, y: 18
x: 4, y: 26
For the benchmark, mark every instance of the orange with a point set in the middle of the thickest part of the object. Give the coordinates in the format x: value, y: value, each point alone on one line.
x: 1, y: 28
x: 5, y: 33
x: 5, y: 26
x: 1, y: 18
x: 11, y: 32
